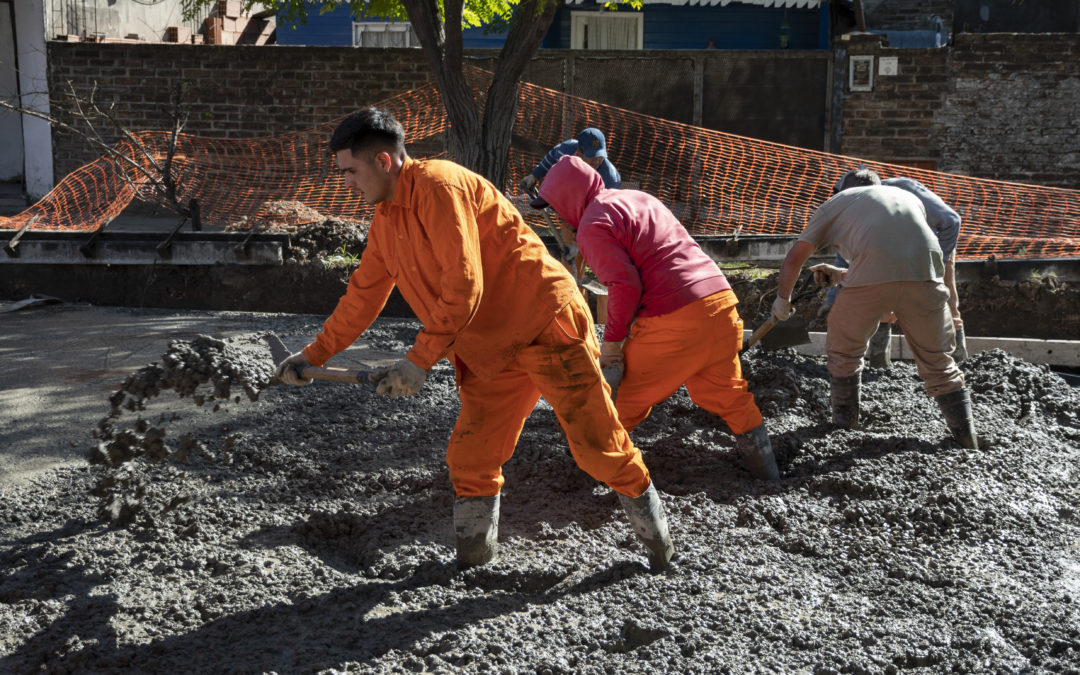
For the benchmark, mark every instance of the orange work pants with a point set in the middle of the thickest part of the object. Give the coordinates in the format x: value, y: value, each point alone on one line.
x: 696, y: 345
x: 562, y: 365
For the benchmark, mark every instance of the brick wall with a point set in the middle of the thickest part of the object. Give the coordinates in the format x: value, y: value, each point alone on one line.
x: 1002, y: 106
x: 907, y: 14
x: 240, y: 92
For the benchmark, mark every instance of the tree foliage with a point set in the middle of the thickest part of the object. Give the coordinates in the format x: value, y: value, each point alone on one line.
x: 478, y: 138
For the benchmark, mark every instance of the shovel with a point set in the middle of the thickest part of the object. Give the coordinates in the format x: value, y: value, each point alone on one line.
x: 790, y: 332
x: 776, y: 334
x: 279, y: 352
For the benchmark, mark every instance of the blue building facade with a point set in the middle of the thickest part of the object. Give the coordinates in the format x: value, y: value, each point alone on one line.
x: 737, y: 25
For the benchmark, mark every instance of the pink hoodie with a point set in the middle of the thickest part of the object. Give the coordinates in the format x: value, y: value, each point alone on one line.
x: 634, y: 245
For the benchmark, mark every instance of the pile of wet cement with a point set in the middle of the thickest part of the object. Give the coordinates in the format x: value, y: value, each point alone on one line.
x: 312, y: 532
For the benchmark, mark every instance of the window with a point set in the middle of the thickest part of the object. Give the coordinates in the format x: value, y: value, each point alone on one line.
x: 383, y: 34
x: 606, y: 30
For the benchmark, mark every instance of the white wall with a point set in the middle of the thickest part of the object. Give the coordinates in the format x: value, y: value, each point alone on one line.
x: 115, y: 18
x: 34, y: 86
x: 11, y: 141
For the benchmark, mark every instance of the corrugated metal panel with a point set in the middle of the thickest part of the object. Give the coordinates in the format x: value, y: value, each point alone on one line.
x: 732, y: 27
x: 322, y: 29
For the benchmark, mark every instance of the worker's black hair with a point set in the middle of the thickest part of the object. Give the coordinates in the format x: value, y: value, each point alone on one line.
x: 368, y: 129
x: 856, y: 178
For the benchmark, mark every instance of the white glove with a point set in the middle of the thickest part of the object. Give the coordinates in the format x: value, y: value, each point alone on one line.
x: 404, y: 378
x: 782, y: 309
x: 286, y: 371
x: 827, y: 275
x: 528, y: 183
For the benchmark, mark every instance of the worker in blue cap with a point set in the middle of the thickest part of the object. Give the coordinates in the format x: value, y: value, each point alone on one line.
x: 589, y: 146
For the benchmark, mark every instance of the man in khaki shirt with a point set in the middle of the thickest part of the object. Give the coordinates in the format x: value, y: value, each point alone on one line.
x: 497, y: 306
x: 896, y: 266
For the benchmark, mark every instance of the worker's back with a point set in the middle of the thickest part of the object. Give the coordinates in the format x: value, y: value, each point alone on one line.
x: 881, y: 231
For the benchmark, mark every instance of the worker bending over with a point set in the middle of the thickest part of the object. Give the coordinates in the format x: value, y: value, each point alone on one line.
x: 944, y: 222
x: 671, y: 317
x: 589, y: 146
x: 508, y: 317
x: 896, y: 266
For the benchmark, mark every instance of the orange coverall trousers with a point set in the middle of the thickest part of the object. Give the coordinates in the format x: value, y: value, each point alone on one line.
x: 696, y: 345
x: 562, y: 365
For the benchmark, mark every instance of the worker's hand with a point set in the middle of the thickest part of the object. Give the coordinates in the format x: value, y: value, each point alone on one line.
x: 286, y: 370
x: 888, y: 317
x: 404, y: 378
x: 827, y: 275
x: 613, y: 376
x: 528, y: 183
x: 782, y: 309
x: 571, y: 255
x: 611, y: 354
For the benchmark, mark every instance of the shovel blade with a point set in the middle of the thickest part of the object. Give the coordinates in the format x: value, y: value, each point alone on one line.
x: 788, y: 333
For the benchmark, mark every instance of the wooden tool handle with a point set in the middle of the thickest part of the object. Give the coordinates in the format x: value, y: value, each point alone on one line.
x: 760, y: 332
x: 347, y: 375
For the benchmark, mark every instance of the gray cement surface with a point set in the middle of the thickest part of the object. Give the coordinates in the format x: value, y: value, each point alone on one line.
x: 310, y: 529
x: 63, y: 360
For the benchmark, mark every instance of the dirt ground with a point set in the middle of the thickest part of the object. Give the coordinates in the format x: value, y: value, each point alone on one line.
x: 226, y: 524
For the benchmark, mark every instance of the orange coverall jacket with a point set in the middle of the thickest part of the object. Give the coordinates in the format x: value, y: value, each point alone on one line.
x: 478, y: 278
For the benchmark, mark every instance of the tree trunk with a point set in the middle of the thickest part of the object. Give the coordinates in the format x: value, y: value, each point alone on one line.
x: 480, y: 143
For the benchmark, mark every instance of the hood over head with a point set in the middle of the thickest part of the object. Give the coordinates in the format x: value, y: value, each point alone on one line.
x: 569, y: 187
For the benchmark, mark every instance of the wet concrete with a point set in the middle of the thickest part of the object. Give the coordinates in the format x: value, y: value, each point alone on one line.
x: 309, y: 530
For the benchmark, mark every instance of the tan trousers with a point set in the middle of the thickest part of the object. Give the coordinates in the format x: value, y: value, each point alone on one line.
x: 922, y: 311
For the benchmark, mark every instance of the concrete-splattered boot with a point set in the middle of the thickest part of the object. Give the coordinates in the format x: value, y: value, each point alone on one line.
x: 757, y: 454
x: 647, y: 518
x: 879, y: 352
x: 960, y: 353
x: 844, y: 396
x: 956, y: 407
x: 476, y: 526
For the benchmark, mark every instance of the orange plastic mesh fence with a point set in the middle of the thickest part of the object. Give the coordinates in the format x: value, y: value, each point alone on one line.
x: 716, y: 183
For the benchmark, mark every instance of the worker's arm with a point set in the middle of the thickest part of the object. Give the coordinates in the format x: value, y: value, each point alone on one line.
x: 610, y: 261
x: 448, y: 214
x: 564, y: 148
x: 954, y: 298
x: 792, y: 268
x: 369, y: 288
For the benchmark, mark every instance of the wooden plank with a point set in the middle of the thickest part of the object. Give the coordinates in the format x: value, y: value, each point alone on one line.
x: 1051, y: 352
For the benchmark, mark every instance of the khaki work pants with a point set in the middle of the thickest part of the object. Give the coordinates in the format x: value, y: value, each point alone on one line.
x: 696, y: 345
x: 562, y: 365
x: 921, y: 309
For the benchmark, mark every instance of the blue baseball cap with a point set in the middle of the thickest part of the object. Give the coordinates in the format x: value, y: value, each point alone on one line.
x: 591, y: 143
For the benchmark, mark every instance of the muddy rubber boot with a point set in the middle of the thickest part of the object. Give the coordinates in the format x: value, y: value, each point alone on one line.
x: 844, y: 396
x: 960, y: 353
x: 956, y: 407
x: 476, y: 526
x: 879, y: 352
x: 757, y: 454
x: 646, y: 515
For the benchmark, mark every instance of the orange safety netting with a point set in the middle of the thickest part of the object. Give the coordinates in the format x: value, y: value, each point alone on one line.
x: 716, y: 183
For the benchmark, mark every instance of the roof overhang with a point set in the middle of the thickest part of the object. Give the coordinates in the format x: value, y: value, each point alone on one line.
x: 799, y: 4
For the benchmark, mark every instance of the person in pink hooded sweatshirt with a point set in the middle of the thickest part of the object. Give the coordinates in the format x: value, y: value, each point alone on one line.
x: 671, y: 316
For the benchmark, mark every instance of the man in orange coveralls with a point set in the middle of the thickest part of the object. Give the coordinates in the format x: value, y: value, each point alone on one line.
x: 685, y: 328
x: 499, y: 307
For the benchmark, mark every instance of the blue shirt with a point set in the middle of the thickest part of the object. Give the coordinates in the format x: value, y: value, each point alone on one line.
x: 607, y: 170
x: 944, y: 222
